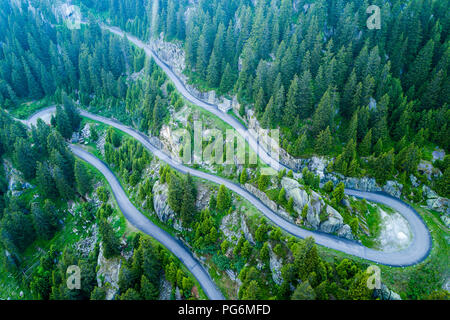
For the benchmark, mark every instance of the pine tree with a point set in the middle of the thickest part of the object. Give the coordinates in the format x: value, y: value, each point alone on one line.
x: 82, y: 179
x: 292, y: 103
x: 306, y: 95
x: 19, y: 229
x: 290, y: 206
x: 324, y: 142
x: 227, y: 81
x: 282, y: 196
x: 304, y: 291
x: 378, y: 148
x: 111, y: 243
x: 408, y: 159
x: 72, y: 112
x: 323, y: 117
x: 63, y: 124
x: 365, y: 148
x: 45, y: 181
x: 188, y: 203
x: 25, y: 158
x: 420, y: 68
x: 64, y: 188
x: 243, y: 176
x: 45, y: 223
x: 264, y: 253
x: 213, y: 71
x: 260, y: 102
x: 223, y: 199
x: 202, y: 56
x: 338, y: 192
x: 269, y: 117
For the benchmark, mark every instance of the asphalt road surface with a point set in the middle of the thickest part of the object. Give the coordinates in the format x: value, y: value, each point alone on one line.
x: 417, y: 250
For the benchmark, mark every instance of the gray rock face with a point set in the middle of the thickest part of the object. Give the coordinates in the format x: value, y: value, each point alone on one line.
x: 393, y: 188
x: 87, y: 245
x: 294, y: 190
x: 438, y: 154
x: 439, y: 204
x: 160, y: 202
x: 275, y: 266
x: 334, y: 222
x: 428, y: 193
x: 248, y: 236
x: 345, y: 232
x: 108, y: 271
x: 446, y: 220
x: 313, y: 215
x: 228, y: 227
x: 233, y: 225
x: 386, y: 294
x: 203, y: 196
x: 365, y: 184
x: 318, y: 165
x: 263, y: 138
x: 165, y: 289
x: 414, y: 181
x: 435, y: 202
x: 262, y: 196
x: 172, y: 54
x: 426, y: 168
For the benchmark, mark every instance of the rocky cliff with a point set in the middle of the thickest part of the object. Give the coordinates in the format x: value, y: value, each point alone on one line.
x: 320, y: 216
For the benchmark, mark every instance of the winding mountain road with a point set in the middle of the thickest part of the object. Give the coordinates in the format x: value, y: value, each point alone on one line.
x: 138, y: 220
x: 414, y: 253
x: 421, y: 242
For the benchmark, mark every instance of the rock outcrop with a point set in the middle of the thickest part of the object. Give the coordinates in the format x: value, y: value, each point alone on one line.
x: 160, y: 202
x: 172, y: 54
x: 108, y: 274
x: 262, y: 196
x: 435, y: 202
x: 276, y: 263
x: 426, y: 168
x: 384, y: 293
x: 320, y: 216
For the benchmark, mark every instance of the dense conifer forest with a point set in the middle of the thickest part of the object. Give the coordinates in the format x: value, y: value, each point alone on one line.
x: 373, y: 102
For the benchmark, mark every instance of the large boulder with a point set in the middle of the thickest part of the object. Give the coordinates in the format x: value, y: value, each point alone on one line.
x: 294, y: 190
x: 313, y: 215
x: 345, y: 232
x: 318, y: 165
x: 428, y: 193
x: 334, y: 221
x: 439, y: 204
x: 426, y: 168
x: 393, y: 188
